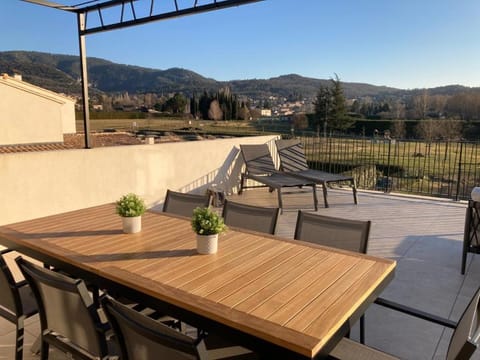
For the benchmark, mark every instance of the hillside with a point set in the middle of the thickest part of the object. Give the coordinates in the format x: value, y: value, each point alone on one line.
x: 61, y: 73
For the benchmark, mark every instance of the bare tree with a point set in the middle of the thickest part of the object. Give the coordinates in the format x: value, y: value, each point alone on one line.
x: 215, y: 112
x: 244, y: 113
x: 450, y: 129
x: 420, y: 104
x: 398, y: 129
x: 426, y: 129
x: 439, y: 129
x: 300, y: 121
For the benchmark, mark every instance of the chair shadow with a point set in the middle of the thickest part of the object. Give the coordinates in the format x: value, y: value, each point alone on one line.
x: 135, y: 255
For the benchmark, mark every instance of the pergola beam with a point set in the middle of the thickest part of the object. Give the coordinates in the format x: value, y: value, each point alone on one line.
x: 84, y: 9
x: 195, y: 9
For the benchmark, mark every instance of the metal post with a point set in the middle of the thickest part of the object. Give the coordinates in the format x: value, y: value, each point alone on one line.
x: 84, y: 73
x: 459, y: 171
x: 387, y: 187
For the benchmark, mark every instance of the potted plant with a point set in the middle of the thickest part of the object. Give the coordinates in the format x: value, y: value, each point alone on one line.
x: 207, y: 224
x: 131, y: 208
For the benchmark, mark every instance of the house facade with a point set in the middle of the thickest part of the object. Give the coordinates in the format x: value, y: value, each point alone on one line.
x: 31, y: 115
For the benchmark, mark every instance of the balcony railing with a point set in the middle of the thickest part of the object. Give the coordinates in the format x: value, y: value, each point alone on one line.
x: 438, y: 168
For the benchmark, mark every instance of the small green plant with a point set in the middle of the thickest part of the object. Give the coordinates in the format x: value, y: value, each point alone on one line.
x: 205, y: 221
x: 130, y: 205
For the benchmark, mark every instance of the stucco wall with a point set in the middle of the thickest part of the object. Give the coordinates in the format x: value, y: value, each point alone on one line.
x: 29, y: 114
x: 44, y: 183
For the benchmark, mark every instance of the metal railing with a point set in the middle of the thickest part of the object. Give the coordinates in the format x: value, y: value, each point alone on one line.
x: 437, y: 168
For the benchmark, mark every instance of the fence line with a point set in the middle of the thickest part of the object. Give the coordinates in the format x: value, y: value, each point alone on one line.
x: 438, y: 168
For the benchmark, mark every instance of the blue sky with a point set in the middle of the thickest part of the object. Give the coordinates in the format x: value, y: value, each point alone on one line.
x: 399, y: 43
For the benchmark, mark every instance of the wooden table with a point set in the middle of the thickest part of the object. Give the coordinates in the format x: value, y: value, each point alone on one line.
x: 279, y: 297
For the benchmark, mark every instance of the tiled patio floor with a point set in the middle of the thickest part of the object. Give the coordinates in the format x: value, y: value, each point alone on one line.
x: 424, y: 235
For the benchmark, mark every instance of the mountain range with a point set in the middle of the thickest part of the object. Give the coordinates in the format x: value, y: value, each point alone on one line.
x: 61, y: 73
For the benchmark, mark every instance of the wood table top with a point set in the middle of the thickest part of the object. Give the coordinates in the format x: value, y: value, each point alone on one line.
x: 290, y: 293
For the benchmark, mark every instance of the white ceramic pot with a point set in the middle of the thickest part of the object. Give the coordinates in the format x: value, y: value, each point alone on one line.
x: 132, y: 225
x: 207, y: 244
x: 476, y: 194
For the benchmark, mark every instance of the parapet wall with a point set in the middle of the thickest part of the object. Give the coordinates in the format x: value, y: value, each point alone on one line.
x: 38, y: 184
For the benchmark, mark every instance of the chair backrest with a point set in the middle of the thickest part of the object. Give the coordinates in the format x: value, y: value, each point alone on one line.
x: 65, y: 307
x: 183, y: 204
x: 250, y: 217
x: 141, y: 338
x: 258, y: 159
x: 465, y: 338
x: 339, y: 233
x: 10, y: 303
x: 292, y: 155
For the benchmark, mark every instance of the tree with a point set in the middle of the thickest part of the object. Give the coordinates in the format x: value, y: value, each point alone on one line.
x: 321, y: 103
x: 426, y: 129
x: 215, y: 112
x: 420, y: 104
x: 299, y: 121
x: 330, y: 108
x: 204, y: 104
x: 338, y: 119
x: 176, y: 104
x: 244, y: 113
x: 398, y: 129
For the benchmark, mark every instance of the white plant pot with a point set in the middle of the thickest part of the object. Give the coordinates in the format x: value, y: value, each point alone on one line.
x: 207, y: 244
x: 476, y: 194
x: 132, y: 225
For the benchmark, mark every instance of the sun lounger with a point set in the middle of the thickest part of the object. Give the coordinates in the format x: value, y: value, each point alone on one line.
x: 294, y: 162
x: 260, y: 167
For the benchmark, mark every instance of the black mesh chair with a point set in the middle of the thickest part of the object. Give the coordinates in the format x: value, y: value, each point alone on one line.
x: 463, y: 343
x: 17, y: 302
x: 339, y: 233
x: 250, y: 217
x: 183, y: 204
x: 142, y: 338
x: 68, y: 318
x: 294, y: 162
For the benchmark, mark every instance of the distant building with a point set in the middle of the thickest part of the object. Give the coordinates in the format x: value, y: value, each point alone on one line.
x: 266, y: 112
x: 30, y: 114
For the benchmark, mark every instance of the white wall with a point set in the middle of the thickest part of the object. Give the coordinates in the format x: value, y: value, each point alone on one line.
x: 38, y: 184
x: 29, y: 114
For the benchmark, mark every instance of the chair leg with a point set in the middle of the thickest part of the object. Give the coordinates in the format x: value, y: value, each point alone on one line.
x: 44, y: 350
x: 354, y: 190
x: 280, y: 202
x: 315, y: 199
x: 362, y: 329
x: 325, y: 194
x: 19, y: 340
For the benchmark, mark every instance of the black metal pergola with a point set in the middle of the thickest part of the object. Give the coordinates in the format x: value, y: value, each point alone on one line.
x: 117, y: 14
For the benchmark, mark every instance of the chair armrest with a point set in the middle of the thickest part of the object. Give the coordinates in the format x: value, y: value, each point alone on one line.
x: 4, y: 251
x: 415, y: 313
x: 21, y: 283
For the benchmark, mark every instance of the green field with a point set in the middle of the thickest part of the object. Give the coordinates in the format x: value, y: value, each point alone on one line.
x: 447, y: 169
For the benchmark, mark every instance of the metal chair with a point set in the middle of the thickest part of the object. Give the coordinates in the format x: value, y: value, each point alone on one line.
x: 250, y: 217
x: 294, y: 162
x: 471, y: 234
x: 463, y: 343
x: 183, y: 204
x: 339, y: 233
x: 142, y: 338
x: 68, y: 318
x: 17, y: 302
